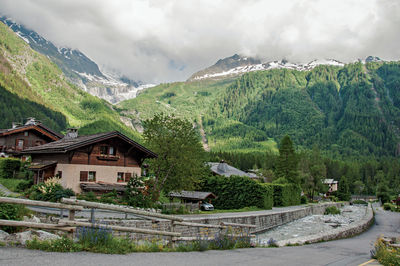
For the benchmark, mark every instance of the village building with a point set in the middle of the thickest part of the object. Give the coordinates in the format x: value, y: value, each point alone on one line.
x: 224, y: 169
x: 33, y: 133
x: 100, y: 162
x: 332, y: 185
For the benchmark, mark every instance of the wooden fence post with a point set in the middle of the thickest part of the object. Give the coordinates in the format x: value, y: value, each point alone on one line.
x: 71, y: 215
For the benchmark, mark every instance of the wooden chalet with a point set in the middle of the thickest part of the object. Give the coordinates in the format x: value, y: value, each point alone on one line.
x: 33, y: 133
x: 193, y: 196
x: 100, y: 162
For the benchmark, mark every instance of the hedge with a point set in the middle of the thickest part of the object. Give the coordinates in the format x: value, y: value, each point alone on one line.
x: 237, y: 192
x: 9, y: 167
x: 286, y: 194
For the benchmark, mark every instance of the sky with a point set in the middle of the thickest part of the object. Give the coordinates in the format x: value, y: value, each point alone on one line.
x: 168, y: 40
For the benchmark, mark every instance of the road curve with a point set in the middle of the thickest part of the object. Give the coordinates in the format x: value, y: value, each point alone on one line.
x: 352, y: 251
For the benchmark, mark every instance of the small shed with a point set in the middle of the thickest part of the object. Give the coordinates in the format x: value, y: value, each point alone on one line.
x: 193, y: 196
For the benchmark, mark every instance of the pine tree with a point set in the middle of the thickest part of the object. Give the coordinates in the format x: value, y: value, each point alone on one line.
x: 343, y: 189
x: 286, y: 166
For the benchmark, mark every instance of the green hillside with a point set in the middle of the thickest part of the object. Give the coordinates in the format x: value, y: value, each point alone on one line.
x: 348, y: 111
x: 33, y: 77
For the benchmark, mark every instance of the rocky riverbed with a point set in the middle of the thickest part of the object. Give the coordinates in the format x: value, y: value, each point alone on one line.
x: 312, y: 225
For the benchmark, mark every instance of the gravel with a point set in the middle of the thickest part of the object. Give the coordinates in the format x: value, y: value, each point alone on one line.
x: 313, y: 224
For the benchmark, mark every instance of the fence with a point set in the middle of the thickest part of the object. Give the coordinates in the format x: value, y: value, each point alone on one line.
x: 74, y: 205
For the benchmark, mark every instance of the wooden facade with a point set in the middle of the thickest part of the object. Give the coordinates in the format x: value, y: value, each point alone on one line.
x: 107, y: 158
x: 13, y: 141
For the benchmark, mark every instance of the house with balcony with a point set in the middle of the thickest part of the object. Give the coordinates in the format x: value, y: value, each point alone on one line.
x: 101, y: 162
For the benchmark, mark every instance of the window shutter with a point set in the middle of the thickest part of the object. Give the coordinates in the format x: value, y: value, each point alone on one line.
x: 84, y: 176
x: 127, y: 177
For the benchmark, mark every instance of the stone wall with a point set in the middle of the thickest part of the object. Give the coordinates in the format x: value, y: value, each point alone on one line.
x: 337, y: 233
x: 264, y: 220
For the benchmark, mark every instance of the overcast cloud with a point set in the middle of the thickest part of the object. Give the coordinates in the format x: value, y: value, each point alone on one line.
x: 162, y: 40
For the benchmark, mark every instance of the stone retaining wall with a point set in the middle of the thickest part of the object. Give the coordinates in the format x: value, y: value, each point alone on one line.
x: 337, y: 233
x: 263, y: 220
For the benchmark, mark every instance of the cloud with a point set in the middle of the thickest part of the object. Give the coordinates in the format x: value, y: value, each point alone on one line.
x: 160, y: 41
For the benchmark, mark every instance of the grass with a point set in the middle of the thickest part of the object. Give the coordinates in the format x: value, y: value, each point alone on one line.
x: 11, y: 183
x: 385, y: 254
x: 101, y: 241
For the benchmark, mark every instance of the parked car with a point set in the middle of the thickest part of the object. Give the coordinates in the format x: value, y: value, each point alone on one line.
x: 206, y: 206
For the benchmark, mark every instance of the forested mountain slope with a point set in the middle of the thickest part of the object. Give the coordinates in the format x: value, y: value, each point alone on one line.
x: 351, y: 110
x: 32, y: 77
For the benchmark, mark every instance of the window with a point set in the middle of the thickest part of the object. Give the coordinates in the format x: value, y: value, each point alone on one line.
x: 120, y: 177
x: 38, y: 143
x: 20, y: 144
x: 26, y: 133
x: 103, y: 150
x: 83, y: 176
x: 127, y: 177
x: 59, y: 174
x: 86, y: 176
x: 92, y: 176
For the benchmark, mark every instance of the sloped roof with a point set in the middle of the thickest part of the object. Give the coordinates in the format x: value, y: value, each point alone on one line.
x: 329, y: 181
x: 68, y: 144
x: 42, y: 166
x: 38, y: 127
x: 225, y: 169
x: 193, y: 195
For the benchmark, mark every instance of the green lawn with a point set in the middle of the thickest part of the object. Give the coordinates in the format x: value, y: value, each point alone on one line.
x: 11, y: 183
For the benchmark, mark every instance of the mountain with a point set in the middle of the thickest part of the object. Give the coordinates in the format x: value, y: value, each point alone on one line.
x: 346, y: 110
x: 237, y: 65
x: 81, y: 70
x: 32, y: 85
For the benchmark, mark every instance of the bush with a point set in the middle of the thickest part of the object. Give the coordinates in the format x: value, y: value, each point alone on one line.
x: 24, y: 185
x: 286, y: 194
x: 50, y: 190
x: 137, y: 192
x: 332, y: 210
x: 12, y: 212
x: 361, y: 202
x: 9, y: 167
x: 391, y: 207
x: 238, y: 192
x: 303, y: 199
x: 384, y: 254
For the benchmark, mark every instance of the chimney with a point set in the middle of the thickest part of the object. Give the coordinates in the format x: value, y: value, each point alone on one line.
x: 31, y: 121
x: 15, y: 124
x: 72, y: 133
x: 222, y: 166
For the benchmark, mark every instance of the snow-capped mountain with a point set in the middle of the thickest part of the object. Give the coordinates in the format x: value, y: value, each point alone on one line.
x: 237, y: 65
x: 79, y: 68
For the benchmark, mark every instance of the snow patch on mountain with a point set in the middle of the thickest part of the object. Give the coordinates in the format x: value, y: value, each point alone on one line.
x: 283, y: 64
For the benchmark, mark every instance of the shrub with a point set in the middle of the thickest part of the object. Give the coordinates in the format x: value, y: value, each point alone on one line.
x: 332, y: 210
x: 361, y: 202
x: 12, y: 212
x: 384, y: 254
x: 238, y: 192
x: 24, y: 185
x: 137, y: 192
x: 50, y: 190
x: 303, y: 199
x: 386, y: 206
x: 92, y: 236
x: 9, y: 167
x: 286, y: 194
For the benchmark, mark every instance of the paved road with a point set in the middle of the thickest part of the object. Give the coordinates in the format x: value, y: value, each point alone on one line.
x: 353, y: 251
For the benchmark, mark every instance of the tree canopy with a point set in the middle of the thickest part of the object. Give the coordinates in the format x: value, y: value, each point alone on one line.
x: 181, y: 158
